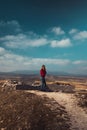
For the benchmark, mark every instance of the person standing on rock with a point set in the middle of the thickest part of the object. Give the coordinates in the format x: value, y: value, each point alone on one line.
x: 43, y: 74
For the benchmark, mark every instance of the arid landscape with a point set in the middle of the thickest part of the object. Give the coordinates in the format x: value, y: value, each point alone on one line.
x: 43, y: 39
x: 61, y: 106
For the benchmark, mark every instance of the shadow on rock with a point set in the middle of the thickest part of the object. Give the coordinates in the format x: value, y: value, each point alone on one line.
x: 29, y: 87
x: 61, y: 88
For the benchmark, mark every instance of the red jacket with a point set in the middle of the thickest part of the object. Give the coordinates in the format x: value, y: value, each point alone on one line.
x: 42, y: 73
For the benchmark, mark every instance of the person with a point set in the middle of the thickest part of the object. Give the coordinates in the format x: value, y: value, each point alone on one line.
x: 43, y: 74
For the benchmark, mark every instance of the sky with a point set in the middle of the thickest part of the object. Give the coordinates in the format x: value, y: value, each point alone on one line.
x: 37, y: 32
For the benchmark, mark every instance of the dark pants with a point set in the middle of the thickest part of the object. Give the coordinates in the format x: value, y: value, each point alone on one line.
x: 43, y: 83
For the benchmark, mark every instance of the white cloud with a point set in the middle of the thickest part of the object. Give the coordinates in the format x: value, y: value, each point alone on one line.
x: 23, y: 41
x: 9, y: 27
x: 58, y: 31
x: 2, y: 51
x: 51, y: 61
x: 13, y: 22
x: 11, y: 62
x: 73, y: 31
x: 37, y: 42
x: 80, y: 62
x: 81, y: 35
x: 61, y: 43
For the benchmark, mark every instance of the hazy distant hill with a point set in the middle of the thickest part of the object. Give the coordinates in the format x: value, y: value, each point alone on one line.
x: 36, y: 72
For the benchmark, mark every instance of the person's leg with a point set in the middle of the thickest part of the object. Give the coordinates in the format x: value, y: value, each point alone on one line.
x: 45, y: 82
x: 42, y: 83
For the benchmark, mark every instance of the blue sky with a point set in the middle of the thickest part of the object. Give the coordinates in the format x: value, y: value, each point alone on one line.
x: 50, y: 32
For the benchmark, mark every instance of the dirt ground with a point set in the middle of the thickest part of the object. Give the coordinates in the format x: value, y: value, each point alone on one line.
x: 77, y: 114
x: 62, y: 106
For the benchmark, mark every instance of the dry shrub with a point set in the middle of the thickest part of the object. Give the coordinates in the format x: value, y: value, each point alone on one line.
x: 82, y: 99
x: 25, y: 111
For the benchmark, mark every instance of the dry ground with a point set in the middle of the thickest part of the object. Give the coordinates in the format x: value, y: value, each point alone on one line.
x: 27, y: 111
x: 78, y: 116
x: 62, y: 108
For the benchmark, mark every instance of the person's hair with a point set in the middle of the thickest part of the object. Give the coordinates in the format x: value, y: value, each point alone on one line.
x: 43, y: 66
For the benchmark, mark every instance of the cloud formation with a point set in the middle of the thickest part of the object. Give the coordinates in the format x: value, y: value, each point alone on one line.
x: 80, y: 62
x: 22, y: 41
x: 11, y: 62
x: 62, y: 43
x: 58, y: 31
x: 2, y: 50
x: 30, y: 39
x: 9, y: 27
x: 73, y: 31
x: 13, y: 38
x: 81, y: 35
